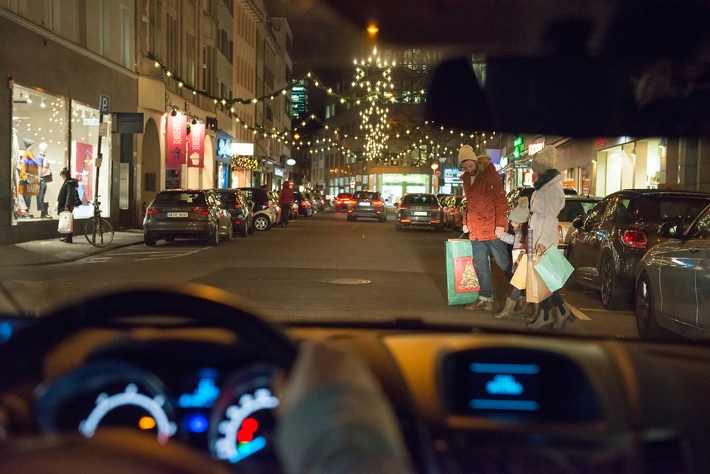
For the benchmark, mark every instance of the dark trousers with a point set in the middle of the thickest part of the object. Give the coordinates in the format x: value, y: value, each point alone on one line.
x: 285, y: 213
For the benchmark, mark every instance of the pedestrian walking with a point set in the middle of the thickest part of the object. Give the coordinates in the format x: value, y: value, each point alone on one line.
x: 546, y: 202
x: 285, y: 202
x: 486, y: 221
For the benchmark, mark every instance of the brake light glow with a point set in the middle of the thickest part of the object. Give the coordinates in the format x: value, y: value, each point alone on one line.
x: 352, y: 202
x: 153, y: 210
x: 435, y: 208
x: 200, y: 210
x: 377, y: 202
x: 635, y: 239
x: 404, y: 207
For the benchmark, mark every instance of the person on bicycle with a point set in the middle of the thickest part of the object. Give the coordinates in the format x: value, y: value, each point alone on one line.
x: 68, y: 198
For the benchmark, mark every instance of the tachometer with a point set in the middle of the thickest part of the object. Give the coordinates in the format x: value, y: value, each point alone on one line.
x: 243, y: 422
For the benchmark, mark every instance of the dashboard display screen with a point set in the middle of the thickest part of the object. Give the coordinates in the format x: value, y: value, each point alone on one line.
x: 517, y: 384
x: 504, y: 386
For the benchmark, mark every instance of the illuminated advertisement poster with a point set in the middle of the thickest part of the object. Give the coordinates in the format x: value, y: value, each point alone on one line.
x: 84, y: 170
x: 196, y: 146
x: 175, y: 141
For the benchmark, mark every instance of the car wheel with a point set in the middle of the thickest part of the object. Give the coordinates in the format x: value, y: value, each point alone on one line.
x: 261, y: 223
x: 398, y: 226
x: 611, y: 294
x: 150, y: 240
x: 439, y: 228
x: 213, y: 239
x: 349, y: 218
x: 244, y: 230
x: 645, y: 318
x: 230, y: 232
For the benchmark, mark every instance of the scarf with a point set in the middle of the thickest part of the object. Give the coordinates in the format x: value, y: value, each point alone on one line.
x: 545, y: 178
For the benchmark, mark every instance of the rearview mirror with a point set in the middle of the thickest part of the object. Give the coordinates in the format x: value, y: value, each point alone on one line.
x: 672, y: 229
x: 578, y: 222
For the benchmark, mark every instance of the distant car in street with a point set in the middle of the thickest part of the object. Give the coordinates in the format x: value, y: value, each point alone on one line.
x: 608, y: 243
x: 419, y: 210
x: 672, y: 284
x: 341, y: 201
x: 187, y: 213
x: 240, y: 210
x: 305, y: 205
x: 367, y: 204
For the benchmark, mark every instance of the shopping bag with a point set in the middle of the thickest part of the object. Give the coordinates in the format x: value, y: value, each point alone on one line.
x: 66, y: 222
x: 519, y: 279
x: 553, y: 268
x: 535, y: 288
x: 461, y: 279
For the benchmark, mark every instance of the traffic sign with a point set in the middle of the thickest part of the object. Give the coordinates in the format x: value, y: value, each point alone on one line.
x: 103, y: 105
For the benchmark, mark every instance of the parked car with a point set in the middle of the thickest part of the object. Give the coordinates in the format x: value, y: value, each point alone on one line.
x: 305, y: 205
x: 419, y: 210
x: 274, y: 205
x: 608, y: 243
x: 319, y: 201
x: 187, y: 213
x: 341, y: 201
x: 672, y: 284
x: 240, y: 210
x: 454, y: 210
x: 265, y: 215
x: 575, y: 206
x: 310, y: 197
x: 368, y: 204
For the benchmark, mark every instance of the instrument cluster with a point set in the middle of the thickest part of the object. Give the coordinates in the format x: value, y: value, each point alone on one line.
x: 229, y: 415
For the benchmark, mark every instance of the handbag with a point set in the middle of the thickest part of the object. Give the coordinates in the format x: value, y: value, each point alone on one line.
x: 461, y: 279
x: 66, y: 222
x: 553, y: 268
x: 520, y: 276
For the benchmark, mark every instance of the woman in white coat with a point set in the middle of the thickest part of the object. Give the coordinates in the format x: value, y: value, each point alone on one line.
x: 546, y: 202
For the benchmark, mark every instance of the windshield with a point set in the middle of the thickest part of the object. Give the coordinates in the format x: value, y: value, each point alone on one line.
x: 392, y: 118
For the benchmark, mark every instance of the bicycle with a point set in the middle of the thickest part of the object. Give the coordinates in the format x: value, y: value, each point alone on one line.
x: 97, y: 230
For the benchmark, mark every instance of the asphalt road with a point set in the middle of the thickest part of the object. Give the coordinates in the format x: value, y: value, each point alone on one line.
x: 318, y: 268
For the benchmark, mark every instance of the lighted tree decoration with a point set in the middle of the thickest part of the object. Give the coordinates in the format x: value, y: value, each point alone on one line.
x: 375, y: 77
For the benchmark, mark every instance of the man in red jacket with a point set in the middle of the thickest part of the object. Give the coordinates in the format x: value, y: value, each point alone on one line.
x: 486, y: 220
x: 285, y: 202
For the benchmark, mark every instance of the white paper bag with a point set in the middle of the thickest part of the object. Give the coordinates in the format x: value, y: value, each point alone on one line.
x: 66, y: 222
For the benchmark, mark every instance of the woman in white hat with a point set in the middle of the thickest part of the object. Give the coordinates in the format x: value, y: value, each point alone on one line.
x: 546, y: 202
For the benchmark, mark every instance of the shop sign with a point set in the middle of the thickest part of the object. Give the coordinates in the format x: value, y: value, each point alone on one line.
x: 535, y: 147
x: 504, y: 161
x: 452, y: 176
x: 175, y: 141
x: 196, y: 147
x: 224, y: 148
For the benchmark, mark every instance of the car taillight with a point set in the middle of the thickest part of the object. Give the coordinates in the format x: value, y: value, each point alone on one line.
x: 404, y: 207
x: 153, y: 210
x: 435, y: 208
x: 352, y: 202
x: 200, y: 210
x: 635, y: 239
x: 377, y: 202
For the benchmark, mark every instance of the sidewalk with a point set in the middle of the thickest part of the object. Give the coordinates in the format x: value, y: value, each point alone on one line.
x: 48, y: 251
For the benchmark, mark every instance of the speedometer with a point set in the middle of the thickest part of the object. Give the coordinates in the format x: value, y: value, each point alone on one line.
x: 103, y: 394
x: 243, y: 420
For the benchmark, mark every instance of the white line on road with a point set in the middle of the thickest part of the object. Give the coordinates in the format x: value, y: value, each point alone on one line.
x: 578, y: 312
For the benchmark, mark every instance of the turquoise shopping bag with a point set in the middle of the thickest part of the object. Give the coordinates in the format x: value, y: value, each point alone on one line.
x: 461, y: 279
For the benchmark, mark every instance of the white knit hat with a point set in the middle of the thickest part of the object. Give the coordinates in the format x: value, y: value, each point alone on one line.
x: 521, y: 212
x: 466, y: 153
x: 545, y: 159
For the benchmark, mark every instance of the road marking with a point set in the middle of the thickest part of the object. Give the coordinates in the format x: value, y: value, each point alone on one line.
x: 578, y: 312
x: 163, y: 256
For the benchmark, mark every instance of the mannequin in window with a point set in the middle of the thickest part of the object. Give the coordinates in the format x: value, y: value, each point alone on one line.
x: 29, y: 184
x: 45, y: 176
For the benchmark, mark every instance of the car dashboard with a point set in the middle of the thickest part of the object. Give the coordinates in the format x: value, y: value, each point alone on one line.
x: 466, y: 401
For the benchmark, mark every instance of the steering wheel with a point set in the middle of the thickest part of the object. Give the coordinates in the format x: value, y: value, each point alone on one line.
x: 21, y: 359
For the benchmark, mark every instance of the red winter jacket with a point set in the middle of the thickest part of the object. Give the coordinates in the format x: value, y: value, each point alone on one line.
x: 286, y: 195
x: 486, y: 203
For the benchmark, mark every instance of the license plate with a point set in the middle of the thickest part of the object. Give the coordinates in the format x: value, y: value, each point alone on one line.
x: 177, y: 214
x: 419, y: 213
x: 364, y: 204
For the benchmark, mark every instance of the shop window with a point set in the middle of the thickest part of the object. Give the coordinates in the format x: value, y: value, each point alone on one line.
x: 83, y: 152
x: 39, y: 152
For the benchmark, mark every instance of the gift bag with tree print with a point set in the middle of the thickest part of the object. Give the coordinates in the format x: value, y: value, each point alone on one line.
x: 461, y: 279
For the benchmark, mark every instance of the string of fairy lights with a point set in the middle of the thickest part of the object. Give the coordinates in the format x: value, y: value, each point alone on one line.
x: 373, y: 78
